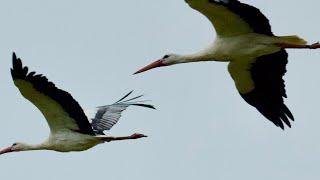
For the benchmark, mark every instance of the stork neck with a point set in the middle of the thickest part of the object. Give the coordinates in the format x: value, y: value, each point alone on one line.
x: 32, y: 147
x: 196, y: 57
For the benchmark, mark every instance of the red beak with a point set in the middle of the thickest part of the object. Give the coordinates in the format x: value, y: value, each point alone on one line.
x: 155, y: 64
x: 6, y: 150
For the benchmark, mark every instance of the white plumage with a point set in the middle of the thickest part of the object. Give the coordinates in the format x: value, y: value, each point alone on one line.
x: 257, y: 58
x: 70, y: 129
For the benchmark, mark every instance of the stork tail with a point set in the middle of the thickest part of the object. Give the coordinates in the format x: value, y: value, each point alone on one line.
x: 293, y: 40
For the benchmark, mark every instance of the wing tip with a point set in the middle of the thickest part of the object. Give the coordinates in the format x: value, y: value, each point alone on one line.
x: 280, y: 120
x: 125, y: 96
x: 130, y: 101
x: 287, y: 112
x: 14, y: 56
x: 278, y: 113
x: 145, y: 105
x: 18, y: 71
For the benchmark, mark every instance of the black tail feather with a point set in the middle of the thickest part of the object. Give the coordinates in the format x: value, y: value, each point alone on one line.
x: 145, y: 105
x: 125, y: 96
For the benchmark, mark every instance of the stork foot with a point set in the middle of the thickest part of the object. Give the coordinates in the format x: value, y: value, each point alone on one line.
x: 133, y: 136
x: 137, y: 136
x: 314, y: 46
x: 297, y: 46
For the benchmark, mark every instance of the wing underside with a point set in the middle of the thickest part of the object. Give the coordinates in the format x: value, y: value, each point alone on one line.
x: 266, y: 89
x: 231, y: 17
x: 58, y: 107
x: 107, y: 116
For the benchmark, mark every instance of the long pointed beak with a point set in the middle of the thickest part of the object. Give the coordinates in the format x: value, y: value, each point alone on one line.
x: 158, y: 63
x: 6, y: 150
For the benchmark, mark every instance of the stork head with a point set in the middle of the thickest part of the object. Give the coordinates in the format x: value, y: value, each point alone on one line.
x: 15, y: 147
x: 167, y: 60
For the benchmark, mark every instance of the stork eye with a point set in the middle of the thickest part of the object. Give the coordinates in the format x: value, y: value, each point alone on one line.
x: 14, y: 144
x: 166, y: 56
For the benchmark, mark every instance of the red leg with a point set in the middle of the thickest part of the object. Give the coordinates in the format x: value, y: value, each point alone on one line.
x: 295, y: 46
x: 133, y: 136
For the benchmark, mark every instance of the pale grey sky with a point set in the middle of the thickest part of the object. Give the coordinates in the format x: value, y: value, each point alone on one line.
x: 202, y: 128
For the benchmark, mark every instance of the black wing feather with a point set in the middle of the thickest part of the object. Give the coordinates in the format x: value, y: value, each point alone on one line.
x: 41, y: 84
x: 267, y: 97
x: 107, y: 116
x: 252, y: 15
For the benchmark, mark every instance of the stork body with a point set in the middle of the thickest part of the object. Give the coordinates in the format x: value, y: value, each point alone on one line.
x: 238, y: 48
x: 70, y: 128
x: 257, y: 58
x: 63, y: 141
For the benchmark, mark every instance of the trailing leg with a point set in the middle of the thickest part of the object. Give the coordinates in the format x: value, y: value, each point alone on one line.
x: 133, y: 136
x: 298, y: 46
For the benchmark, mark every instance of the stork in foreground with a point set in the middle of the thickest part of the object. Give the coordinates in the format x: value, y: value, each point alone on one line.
x: 69, y: 126
x: 257, y: 58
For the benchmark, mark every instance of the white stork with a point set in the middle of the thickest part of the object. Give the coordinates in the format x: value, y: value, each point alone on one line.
x: 70, y: 129
x: 257, y: 58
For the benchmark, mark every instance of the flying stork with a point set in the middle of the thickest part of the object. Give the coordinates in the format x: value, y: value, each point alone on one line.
x: 70, y: 129
x: 257, y: 58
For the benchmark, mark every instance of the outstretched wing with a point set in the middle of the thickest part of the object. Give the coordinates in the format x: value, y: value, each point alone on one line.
x: 59, y: 108
x: 107, y: 116
x: 261, y: 84
x: 231, y: 17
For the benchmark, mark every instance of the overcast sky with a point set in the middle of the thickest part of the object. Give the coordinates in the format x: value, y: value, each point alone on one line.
x: 202, y: 128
